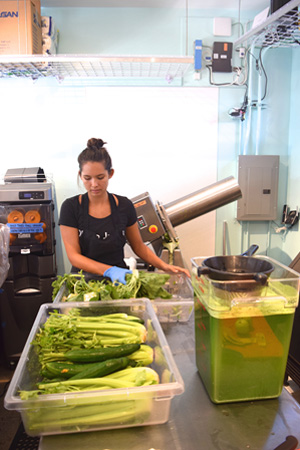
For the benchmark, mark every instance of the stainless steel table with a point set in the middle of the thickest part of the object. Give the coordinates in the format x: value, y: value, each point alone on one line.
x: 195, y: 423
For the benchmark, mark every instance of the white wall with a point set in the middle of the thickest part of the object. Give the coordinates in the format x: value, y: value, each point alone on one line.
x: 49, y: 123
x: 153, y: 136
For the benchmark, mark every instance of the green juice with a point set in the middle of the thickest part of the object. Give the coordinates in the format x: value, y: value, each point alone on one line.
x: 242, y: 357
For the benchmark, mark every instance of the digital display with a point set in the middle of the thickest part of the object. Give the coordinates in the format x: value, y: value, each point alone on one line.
x: 32, y: 195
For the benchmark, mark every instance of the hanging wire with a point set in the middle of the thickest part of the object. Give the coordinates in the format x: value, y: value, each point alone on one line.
x: 265, y: 74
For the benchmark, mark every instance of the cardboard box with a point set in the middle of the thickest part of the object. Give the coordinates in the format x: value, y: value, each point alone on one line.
x: 20, y: 27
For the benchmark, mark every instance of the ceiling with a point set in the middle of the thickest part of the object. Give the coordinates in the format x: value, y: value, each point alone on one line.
x: 245, y: 5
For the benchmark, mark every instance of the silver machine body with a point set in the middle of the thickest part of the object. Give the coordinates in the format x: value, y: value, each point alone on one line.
x: 25, y: 185
x: 157, y: 220
x: 27, y: 207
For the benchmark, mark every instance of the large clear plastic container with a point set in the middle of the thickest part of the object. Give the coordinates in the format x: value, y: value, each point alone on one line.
x: 242, y: 336
x: 149, y: 405
x: 178, y: 308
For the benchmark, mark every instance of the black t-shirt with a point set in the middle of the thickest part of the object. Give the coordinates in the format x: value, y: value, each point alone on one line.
x: 69, y: 213
x: 97, y: 237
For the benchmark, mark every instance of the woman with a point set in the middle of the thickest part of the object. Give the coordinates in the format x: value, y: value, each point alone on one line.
x: 95, y: 226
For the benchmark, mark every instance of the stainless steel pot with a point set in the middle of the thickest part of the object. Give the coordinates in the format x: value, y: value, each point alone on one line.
x: 241, y: 269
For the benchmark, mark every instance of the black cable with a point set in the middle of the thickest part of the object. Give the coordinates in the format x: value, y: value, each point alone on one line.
x: 263, y: 69
x: 259, y: 64
x: 209, y: 67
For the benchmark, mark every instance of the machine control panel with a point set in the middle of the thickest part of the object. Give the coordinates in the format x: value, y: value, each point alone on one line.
x: 148, y: 220
x: 32, y: 195
x: 141, y: 222
x: 25, y: 192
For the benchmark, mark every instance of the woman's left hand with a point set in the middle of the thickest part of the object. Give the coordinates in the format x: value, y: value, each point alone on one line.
x: 169, y: 268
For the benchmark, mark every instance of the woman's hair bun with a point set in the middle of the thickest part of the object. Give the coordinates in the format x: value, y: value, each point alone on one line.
x: 95, y: 143
x: 95, y: 152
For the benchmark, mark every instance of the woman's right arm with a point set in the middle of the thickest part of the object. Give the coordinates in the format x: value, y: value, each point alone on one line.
x: 71, y: 242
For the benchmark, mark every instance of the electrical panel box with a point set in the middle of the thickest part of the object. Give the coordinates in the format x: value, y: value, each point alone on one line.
x: 258, y: 179
x: 222, y: 57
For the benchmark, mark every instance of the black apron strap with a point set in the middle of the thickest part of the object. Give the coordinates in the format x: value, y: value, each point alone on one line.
x: 115, y: 214
x: 84, y: 210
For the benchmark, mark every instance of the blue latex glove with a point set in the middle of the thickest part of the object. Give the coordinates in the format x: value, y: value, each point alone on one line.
x: 117, y: 274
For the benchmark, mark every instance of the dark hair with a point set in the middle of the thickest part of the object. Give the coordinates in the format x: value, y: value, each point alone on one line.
x: 95, y: 152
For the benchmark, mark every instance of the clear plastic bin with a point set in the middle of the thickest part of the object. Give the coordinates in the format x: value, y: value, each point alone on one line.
x: 179, y: 308
x: 149, y: 404
x: 242, y: 336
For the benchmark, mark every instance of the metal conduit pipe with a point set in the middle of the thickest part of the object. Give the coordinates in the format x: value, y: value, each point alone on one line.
x: 203, y: 201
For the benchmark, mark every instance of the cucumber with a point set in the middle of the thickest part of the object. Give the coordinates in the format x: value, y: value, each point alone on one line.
x: 49, y: 374
x: 102, y: 368
x: 63, y: 369
x: 100, y: 354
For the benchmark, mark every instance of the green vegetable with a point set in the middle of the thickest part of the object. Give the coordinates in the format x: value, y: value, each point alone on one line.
x: 80, y: 338
x: 65, y: 332
x: 142, y: 357
x: 100, y: 354
x: 49, y: 373
x: 129, y: 377
x: 170, y: 244
x: 102, y: 368
x: 86, y: 417
x: 138, y: 284
x: 63, y: 370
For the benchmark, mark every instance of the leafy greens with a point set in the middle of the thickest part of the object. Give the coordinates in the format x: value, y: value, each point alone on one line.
x: 139, y: 284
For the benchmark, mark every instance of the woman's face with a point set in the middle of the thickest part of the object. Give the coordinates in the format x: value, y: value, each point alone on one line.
x: 95, y: 178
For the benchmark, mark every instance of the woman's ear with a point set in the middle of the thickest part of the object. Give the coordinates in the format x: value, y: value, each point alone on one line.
x: 111, y: 173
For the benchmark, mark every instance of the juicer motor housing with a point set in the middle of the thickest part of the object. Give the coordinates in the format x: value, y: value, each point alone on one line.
x: 157, y: 220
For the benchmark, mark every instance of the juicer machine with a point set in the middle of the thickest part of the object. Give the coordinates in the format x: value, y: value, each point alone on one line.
x: 157, y: 222
x: 27, y: 208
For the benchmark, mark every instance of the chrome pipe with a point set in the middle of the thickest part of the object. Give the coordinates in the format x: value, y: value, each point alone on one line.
x: 203, y: 201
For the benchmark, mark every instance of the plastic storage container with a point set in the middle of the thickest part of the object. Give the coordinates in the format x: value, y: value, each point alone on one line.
x: 242, y: 337
x: 179, y: 308
x: 149, y: 404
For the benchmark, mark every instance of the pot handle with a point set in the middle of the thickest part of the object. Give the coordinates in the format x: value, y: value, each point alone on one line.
x: 203, y: 271
x: 261, y: 278
x: 290, y: 443
x: 251, y: 250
